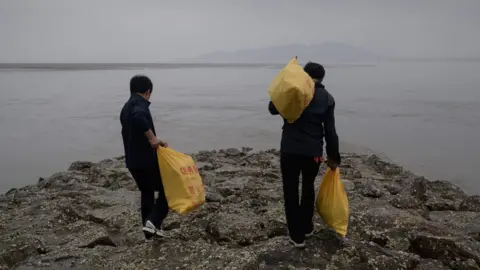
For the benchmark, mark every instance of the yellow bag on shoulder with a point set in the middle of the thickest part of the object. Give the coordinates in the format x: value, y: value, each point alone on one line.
x: 332, y: 202
x: 291, y: 91
x: 181, y: 180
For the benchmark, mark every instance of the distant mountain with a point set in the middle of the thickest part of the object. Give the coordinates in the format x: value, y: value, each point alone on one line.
x: 330, y: 52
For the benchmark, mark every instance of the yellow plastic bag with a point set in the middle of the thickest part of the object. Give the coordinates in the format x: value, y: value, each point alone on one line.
x: 291, y: 91
x: 332, y: 202
x: 181, y: 180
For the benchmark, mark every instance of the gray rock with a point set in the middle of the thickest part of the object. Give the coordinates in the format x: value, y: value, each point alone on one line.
x: 469, y: 264
x: 393, y: 188
x: 471, y: 203
x: 445, y: 249
x: 80, y: 166
x: 63, y: 179
x: 390, y: 262
x: 246, y: 149
x: 369, y: 190
x: 442, y: 205
x: 19, y: 249
x: 443, y: 196
x: 203, y: 166
x: 114, y: 163
x: 239, y: 229
x: 383, y: 167
x: 418, y: 189
x: 100, y: 241
x: 212, y: 195
x: 88, y: 218
x: 234, y: 152
x: 357, y: 174
x: 348, y: 184
x: 431, y: 265
x: 461, y: 222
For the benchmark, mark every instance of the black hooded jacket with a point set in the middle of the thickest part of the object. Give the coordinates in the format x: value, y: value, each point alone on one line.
x: 305, y: 136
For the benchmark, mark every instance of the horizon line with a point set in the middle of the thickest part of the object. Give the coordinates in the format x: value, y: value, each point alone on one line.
x: 193, y: 62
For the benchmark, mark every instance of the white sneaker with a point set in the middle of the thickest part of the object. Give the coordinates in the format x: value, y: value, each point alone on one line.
x: 160, y: 233
x: 297, y: 245
x: 149, y: 228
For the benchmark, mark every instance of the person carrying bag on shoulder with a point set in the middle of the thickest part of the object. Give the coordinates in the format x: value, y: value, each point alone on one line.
x: 301, y: 153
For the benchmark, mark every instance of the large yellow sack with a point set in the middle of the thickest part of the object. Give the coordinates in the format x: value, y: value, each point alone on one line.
x: 291, y: 91
x: 181, y: 180
x: 332, y: 202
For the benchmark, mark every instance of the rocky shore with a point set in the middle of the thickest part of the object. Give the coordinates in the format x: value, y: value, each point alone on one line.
x: 88, y: 218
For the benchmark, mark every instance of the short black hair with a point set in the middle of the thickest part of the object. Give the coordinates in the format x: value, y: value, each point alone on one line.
x: 140, y: 84
x: 315, y: 70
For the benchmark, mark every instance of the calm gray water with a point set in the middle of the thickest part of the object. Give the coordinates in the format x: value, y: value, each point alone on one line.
x: 425, y: 116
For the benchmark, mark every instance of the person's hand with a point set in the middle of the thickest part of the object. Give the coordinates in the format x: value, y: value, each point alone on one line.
x: 154, y: 143
x: 163, y: 144
x: 331, y: 164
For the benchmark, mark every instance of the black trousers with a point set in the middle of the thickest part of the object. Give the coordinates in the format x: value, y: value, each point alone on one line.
x: 299, y: 211
x: 148, y: 181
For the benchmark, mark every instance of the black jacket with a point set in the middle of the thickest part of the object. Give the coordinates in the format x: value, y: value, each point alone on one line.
x: 305, y: 136
x: 136, y: 120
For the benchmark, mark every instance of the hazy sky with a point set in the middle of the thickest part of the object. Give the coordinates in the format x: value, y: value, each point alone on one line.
x: 162, y: 30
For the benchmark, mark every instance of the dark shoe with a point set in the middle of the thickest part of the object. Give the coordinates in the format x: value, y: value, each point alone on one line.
x: 148, y: 237
x: 344, y: 241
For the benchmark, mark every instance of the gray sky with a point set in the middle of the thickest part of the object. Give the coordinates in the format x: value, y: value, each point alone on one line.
x: 161, y: 30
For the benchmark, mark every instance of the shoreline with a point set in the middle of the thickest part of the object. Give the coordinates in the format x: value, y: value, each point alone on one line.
x: 88, y: 217
x: 346, y: 148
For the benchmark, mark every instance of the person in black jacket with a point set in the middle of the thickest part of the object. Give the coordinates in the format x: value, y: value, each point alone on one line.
x: 140, y: 144
x: 301, y: 153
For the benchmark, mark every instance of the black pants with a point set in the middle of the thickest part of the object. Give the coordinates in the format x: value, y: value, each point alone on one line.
x: 148, y: 181
x: 299, y: 211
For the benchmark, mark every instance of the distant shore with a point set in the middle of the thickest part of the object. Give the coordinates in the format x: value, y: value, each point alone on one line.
x: 119, y: 66
x: 171, y: 65
x: 212, y: 64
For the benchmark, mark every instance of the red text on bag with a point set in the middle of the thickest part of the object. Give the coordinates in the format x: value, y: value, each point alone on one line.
x: 189, y: 170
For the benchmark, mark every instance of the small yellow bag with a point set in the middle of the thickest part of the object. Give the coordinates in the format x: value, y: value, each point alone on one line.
x: 181, y: 180
x: 291, y: 91
x: 332, y: 202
